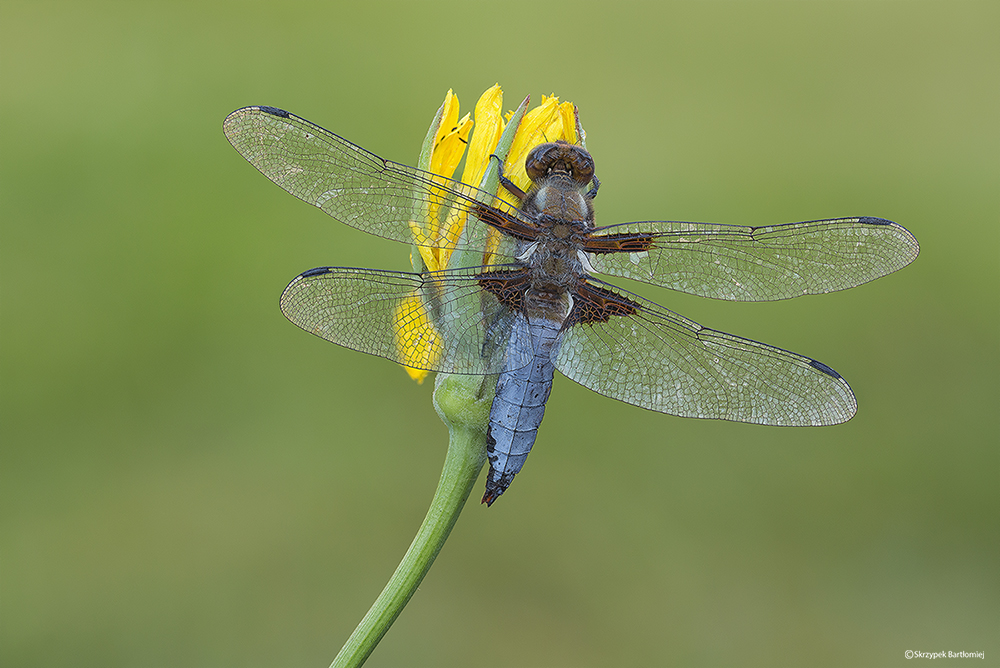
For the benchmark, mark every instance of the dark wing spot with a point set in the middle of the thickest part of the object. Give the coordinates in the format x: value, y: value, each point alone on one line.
x: 874, y: 221
x: 593, y: 304
x: 824, y: 368
x: 274, y: 111
x: 319, y: 271
x: 624, y: 242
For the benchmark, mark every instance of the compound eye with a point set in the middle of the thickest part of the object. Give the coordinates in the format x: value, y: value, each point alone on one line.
x: 540, y: 160
x: 583, y: 165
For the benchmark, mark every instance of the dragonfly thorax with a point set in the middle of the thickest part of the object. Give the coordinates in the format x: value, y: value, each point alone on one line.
x: 555, y: 267
x: 558, y: 199
x: 563, y: 212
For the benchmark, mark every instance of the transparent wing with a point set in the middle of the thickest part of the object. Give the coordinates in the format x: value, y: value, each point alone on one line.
x: 662, y: 361
x: 754, y: 263
x: 440, y: 321
x: 357, y: 187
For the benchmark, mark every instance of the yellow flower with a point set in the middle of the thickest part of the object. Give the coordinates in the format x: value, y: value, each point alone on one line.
x: 417, y: 339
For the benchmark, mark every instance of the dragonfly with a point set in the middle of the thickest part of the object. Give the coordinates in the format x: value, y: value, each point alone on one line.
x: 531, y: 301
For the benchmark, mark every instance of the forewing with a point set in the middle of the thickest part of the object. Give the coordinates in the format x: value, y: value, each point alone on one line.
x: 441, y: 321
x: 357, y: 187
x: 659, y: 360
x: 754, y: 263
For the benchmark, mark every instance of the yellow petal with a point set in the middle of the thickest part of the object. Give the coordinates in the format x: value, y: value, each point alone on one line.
x: 422, y: 240
x: 444, y: 161
x: 416, y: 374
x: 450, y: 146
x: 418, y: 342
x: 489, y: 126
x: 424, y: 226
x: 568, y: 112
x: 449, y: 114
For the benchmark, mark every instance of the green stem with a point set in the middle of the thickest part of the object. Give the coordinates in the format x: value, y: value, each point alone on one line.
x: 463, y: 402
x: 460, y: 402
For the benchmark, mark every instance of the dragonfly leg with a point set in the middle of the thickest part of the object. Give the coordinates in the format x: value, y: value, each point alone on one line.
x: 592, y: 193
x: 507, y: 183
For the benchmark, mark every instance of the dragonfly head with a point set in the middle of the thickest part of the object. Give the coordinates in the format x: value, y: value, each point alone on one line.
x: 560, y: 158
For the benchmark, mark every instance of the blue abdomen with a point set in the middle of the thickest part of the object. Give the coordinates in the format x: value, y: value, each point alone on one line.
x: 519, y: 404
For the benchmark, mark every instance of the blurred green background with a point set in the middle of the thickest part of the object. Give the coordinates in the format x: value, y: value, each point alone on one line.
x: 190, y: 480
